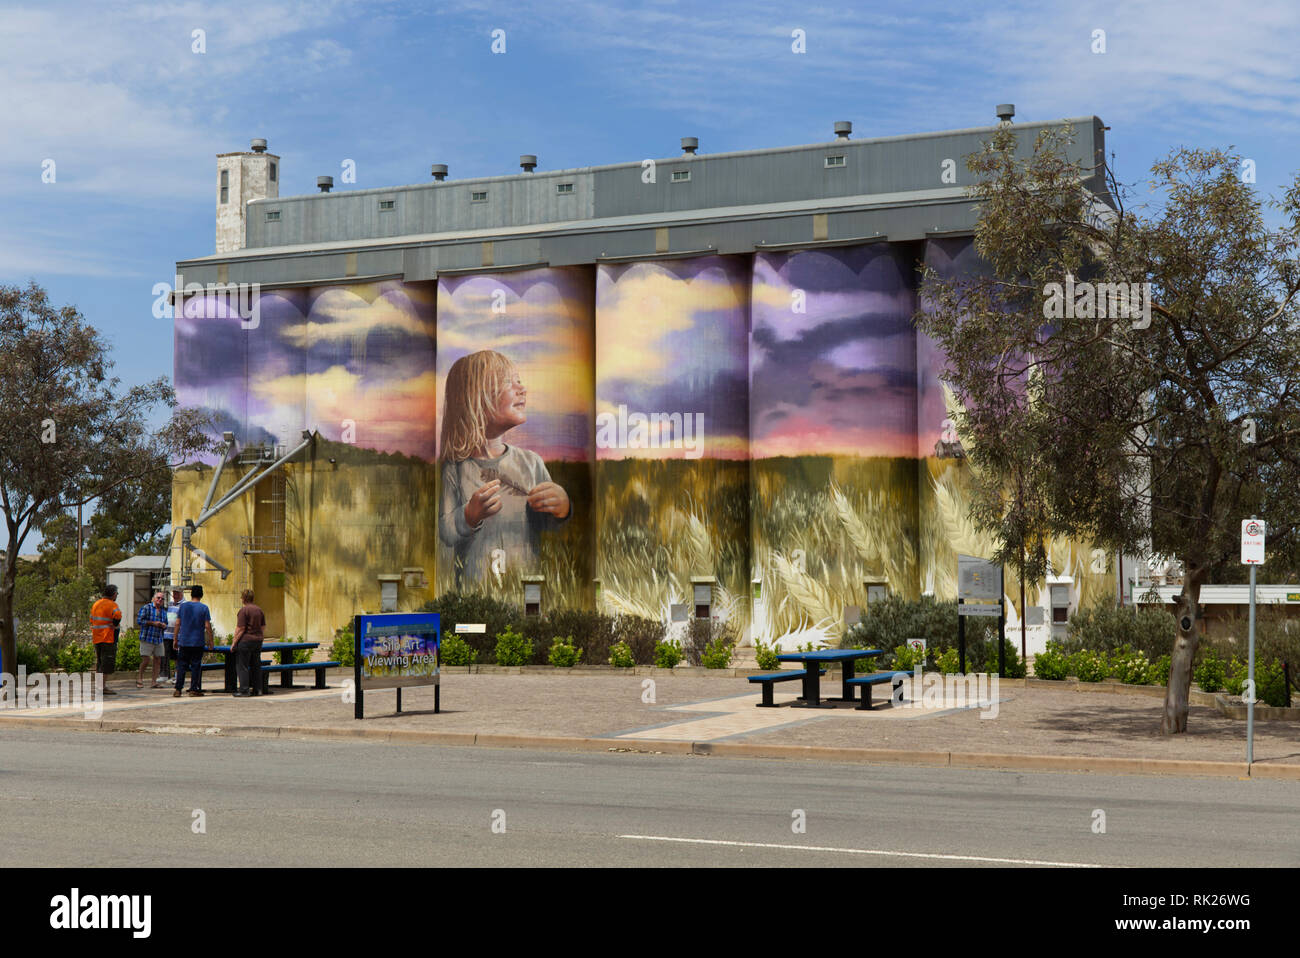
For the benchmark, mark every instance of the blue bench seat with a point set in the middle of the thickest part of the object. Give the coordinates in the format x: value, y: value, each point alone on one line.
x: 769, y: 679
x: 867, y: 681
x: 286, y: 673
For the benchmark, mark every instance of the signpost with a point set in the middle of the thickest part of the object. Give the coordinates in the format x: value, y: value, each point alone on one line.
x: 395, y: 650
x: 1252, y: 554
x: 979, y: 580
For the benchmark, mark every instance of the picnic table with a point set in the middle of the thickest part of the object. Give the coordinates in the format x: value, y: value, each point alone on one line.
x: 286, y: 676
x: 812, y: 663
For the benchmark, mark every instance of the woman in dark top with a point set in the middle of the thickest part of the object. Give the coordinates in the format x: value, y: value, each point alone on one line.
x: 250, y: 625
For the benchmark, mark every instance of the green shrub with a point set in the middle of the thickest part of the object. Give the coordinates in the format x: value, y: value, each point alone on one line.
x: 717, y: 654
x: 1089, y: 665
x: 563, y: 655
x: 457, y: 608
x: 513, y: 648
x: 667, y: 654
x: 1052, y: 663
x: 1107, y: 628
x: 641, y: 635
x: 620, y: 656
x: 344, y: 648
x: 1270, y: 682
x: 77, y: 657
x: 888, y: 623
x: 906, y: 659
x: 767, y: 657
x: 1210, y: 675
x: 948, y: 661
x: 1131, y: 668
x: 456, y: 651
x: 988, y: 662
x: 128, y: 651
x: 32, y: 656
x: 1234, y: 678
x: 1158, y: 674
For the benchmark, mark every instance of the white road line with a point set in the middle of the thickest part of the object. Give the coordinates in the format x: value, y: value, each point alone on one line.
x: 861, y: 851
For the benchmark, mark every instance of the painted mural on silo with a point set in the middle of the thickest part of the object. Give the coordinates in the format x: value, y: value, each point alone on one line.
x: 944, y: 474
x: 833, y: 436
x: 356, y: 365
x: 516, y: 398
x: 672, y: 436
x: 226, y: 345
x: 365, y: 506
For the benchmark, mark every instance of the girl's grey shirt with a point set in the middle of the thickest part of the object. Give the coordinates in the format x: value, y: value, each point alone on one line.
x: 515, y: 529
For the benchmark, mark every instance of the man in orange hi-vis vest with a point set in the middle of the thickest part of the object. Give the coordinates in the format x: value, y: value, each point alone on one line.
x: 105, y: 621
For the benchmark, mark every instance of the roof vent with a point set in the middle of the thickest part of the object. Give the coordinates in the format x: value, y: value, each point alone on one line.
x: 842, y: 129
x: 528, y: 162
x: 690, y: 144
x: 259, y: 146
x: 440, y: 171
x: 1006, y: 111
x: 325, y: 183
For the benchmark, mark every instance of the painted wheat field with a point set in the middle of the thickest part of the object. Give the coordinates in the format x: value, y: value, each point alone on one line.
x: 823, y: 526
x: 661, y: 522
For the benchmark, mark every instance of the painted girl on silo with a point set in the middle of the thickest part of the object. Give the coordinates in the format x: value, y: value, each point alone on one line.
x: 495, y: 496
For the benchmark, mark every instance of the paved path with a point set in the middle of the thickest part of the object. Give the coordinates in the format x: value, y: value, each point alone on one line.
x: 341, y: 803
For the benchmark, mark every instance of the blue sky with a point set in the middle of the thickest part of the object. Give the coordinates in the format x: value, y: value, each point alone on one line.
x: 133, y: 117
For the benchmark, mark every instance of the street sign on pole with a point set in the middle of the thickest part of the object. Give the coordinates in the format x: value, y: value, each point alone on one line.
x: 1252, y: 554
x: 1252, y: 541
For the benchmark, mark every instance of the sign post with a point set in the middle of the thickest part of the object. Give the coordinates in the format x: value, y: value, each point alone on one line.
x: 394, y: 650
x: 1252, y: 554
x: 981, y: 580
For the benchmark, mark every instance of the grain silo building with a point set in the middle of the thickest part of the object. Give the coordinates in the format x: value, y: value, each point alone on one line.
x: 688, y: 385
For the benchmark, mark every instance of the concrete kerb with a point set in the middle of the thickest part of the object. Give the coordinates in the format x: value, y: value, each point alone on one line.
x: 864, y: 756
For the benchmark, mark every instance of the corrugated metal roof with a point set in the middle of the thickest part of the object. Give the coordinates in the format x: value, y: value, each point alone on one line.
x: 1232, y: 594
x: 139, y: 564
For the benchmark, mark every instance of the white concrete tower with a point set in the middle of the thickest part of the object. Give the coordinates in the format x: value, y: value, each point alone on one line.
x: 242, y: 178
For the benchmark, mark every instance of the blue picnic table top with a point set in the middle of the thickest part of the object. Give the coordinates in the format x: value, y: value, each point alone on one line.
x: 271, y: 646
x: 828, y: 655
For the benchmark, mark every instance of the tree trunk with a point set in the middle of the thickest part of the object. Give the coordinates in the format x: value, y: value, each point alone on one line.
x: 8, y: 580
x: 1174, y: 720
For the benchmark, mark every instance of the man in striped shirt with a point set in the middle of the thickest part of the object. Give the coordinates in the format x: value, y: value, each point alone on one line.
x: 152, y: 621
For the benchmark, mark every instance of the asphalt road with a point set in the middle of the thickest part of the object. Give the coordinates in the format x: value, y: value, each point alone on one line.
x: 101, y: 799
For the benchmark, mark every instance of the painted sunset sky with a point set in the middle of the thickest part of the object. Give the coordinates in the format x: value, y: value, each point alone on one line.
x: 672, y: 337
x: 838, y: 378
x: 356, y: 360
x: 543, y: 321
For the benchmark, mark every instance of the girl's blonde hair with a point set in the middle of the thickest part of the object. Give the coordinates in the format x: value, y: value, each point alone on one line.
x: 473, y: 383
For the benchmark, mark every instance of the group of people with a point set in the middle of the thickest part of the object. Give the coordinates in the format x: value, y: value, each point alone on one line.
x: 181, y: 633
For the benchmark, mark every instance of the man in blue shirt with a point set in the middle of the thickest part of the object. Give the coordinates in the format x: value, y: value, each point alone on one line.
x: 193, y: 637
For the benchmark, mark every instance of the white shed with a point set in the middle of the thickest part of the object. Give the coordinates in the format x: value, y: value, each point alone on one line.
x: 134, y: 578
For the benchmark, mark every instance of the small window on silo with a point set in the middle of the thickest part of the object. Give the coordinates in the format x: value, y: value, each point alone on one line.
x: 564, y: 188
x: 532, y: 598
x: 387, y: 205
x: 832, y: 162
x: 225, y: 186
x: 272, y: 216
x: 273, y: 172
x: 703, y: 601
x: 478, y: 196
x: 681, y: 176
